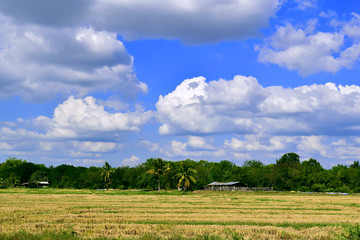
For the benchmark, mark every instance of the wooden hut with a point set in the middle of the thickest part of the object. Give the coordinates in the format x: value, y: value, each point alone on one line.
x: 234, y: 186
x: 219, y: 186
x: 40, y: 184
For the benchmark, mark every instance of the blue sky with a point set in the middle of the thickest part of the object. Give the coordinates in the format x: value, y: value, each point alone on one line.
x: 122, y: 81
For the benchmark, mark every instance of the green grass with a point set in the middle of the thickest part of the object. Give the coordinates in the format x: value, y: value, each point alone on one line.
x: 22, y: 235
x: 152, y: 215
x: 47, y: 190
x: 297, y: 226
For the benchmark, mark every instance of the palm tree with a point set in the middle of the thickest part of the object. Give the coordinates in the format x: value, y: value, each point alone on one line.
x: 106, y: 174
x: 185, y: 176
x: 159, y: 169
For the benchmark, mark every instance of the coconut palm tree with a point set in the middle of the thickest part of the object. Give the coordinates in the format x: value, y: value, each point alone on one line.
x: 106, y: 174
x: 159, y: 169
x: 185, y: 176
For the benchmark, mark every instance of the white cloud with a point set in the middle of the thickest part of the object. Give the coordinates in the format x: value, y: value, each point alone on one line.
x: 94, y: 146
x: 243, y: 106
x: 255, y: 143
x: 131, y: 161
x: 90, y: 162
x: 62, y: 62
x: 352, y: 28
x: 63, y: 13
x: 84, y: 118
x: 309, y: 52
x: 152, y: 147
x: 199, y: 143
x: 313, y: 145
x: 199, y: 107
x: 79, y: 128
x: 5, y: 146
x: 190, y: 21
x: 187, y: 150
x: 114, y: 103
x: 46, y: 146
x: 242, y: 156
x: 305, y: 4
x: 328, y: 14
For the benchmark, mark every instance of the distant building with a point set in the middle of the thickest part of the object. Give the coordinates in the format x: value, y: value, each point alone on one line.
x: 40, y: 184
x: 233, y: 186
x: 219, y: 186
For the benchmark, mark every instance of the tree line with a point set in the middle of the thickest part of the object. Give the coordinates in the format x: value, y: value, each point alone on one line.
x: 287, y: 174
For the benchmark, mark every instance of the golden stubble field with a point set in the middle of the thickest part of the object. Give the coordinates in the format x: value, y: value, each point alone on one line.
x: 130, y: 214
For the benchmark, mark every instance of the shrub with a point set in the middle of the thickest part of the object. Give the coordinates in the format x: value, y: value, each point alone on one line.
x: 353, y: 233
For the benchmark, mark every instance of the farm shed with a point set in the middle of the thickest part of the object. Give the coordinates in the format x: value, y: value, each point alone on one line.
x: 40, y: 184
x: 219, y: 186
x: 234, y: 186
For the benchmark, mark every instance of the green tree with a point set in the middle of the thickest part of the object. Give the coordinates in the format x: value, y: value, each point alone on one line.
x: 312, y: 176
x: 159, y: 168
x: 224, y: 171
x: 37, y: 177
x: 287, y: 172
x: 106, y: 174
x: 14, y: 180
x: 253, y: 174
x: 289, y: 159
x: 185, y: 175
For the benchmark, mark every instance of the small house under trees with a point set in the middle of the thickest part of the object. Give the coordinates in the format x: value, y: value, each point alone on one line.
x: 39, y: 184
x: 234, y: 186
x: 219, y: 186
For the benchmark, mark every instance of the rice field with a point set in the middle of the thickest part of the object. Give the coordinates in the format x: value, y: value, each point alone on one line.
x: 201, y: 215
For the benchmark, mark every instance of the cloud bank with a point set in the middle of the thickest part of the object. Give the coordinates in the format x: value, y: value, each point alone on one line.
x: 38, y: 63
x: 190, y: 21
x: 243, y: 106
x: 79, y: 128
x: 309, y: 51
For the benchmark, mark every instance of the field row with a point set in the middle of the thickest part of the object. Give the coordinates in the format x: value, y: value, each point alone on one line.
x: 267, y: 216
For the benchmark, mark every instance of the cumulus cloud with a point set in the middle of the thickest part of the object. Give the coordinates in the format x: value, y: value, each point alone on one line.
x: 79, y: 128
x: 84, y: 118
x: 63, y: 13
x: 187, y: 149
x: 199, y: 143
x: 95, y: 146
x: 199, y: 107
x: 63, y: 61
x: 308, y: 51
x: 131, y: 161
x: 70, y: 48
x: 256, y: 143
x: 152, y: 147
x: 306, y: 4
x: 190, y: 21
x: 313, y: 145
x: 243, y: 106
x: 89, y: 162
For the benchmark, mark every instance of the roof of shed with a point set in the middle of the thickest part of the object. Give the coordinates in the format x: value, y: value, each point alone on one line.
x: 222, y: 184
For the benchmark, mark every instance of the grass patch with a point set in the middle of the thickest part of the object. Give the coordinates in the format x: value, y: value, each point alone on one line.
x: 297, y: 226
x: 84, y: 214
x: 22, y: 235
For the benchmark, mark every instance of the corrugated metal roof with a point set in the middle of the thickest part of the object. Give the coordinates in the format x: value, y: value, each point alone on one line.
x: 222, y: 184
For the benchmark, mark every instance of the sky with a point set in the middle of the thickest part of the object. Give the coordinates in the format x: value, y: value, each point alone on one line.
x: 88, y: 81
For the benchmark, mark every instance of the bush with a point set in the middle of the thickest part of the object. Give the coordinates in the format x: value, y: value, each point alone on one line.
x: 317, y: 187
x: 353, y: 233
x: 4, y: 183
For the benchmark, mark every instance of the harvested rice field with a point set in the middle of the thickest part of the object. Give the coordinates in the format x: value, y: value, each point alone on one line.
x: 198, y: 215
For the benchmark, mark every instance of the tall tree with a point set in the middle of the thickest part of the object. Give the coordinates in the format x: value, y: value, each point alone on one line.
x: 287, y: 172
x: 185, y: 175
x: 106, y: 174
x: 159, y: 168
